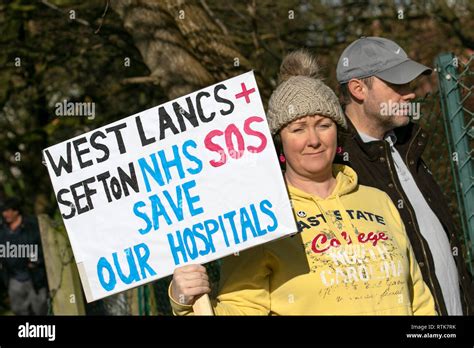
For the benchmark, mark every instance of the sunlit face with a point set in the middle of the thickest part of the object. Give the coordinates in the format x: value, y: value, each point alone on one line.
x: 10, y: 215
x: 387, y: 103
x: 309, y: 145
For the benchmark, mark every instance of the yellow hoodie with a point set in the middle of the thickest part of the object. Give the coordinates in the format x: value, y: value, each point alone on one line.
x: 351, y: 257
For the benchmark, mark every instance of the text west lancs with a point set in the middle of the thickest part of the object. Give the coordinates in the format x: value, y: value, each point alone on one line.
x: 176, y: 125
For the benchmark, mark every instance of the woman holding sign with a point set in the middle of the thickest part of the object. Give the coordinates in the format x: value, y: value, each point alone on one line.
x: 351, y: 257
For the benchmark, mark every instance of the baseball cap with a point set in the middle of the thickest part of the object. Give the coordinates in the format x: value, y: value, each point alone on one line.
x: 377, y: 56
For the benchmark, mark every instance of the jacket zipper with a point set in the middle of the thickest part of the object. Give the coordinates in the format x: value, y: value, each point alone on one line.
x: 435, y: 297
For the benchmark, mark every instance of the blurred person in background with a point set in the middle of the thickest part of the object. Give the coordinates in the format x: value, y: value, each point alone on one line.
x: 22, y: 262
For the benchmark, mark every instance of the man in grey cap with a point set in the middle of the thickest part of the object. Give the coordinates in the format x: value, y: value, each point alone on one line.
x: 384, y: 147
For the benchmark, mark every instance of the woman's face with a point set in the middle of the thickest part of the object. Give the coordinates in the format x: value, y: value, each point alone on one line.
x: 309, y: 145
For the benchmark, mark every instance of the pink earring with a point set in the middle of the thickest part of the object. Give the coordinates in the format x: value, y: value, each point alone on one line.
x: 282, y: 158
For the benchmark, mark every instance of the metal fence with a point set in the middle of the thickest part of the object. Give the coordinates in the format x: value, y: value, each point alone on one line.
x: 447, y: 117
x: 455, y: 85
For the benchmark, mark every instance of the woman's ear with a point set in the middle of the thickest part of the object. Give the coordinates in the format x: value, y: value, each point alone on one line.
x: 279, y: 150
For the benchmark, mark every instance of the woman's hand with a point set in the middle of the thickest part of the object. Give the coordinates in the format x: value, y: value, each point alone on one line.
x: 189, y: 283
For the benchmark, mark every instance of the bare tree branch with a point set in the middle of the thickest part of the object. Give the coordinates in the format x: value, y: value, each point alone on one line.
x: 54, y: 7
x: 139, y: 80
x: 102, y: 17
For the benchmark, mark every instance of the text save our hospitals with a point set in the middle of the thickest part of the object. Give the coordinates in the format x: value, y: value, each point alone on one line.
x: 164, y: 185
x: 163, y: 209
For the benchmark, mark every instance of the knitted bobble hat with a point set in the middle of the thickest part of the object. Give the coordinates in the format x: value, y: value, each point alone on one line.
x: 301, y: 92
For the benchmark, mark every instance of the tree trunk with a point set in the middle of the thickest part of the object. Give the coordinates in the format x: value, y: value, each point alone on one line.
x: 184, y: 47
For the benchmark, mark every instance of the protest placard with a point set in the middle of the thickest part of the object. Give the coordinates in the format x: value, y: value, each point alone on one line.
x: 189, y: 181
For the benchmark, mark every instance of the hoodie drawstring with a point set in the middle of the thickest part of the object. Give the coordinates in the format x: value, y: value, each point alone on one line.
x: 345, y: 217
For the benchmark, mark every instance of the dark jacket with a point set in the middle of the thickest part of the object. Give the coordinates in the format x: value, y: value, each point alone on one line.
x: 374, y: 166
x: 26, y: 233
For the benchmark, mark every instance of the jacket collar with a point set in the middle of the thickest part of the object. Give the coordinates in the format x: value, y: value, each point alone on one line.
x: 371, y: 150
x: 405, y: 136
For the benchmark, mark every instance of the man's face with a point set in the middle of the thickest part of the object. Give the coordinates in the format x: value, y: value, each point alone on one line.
x: 10, y: 215
x: 389, y: 104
